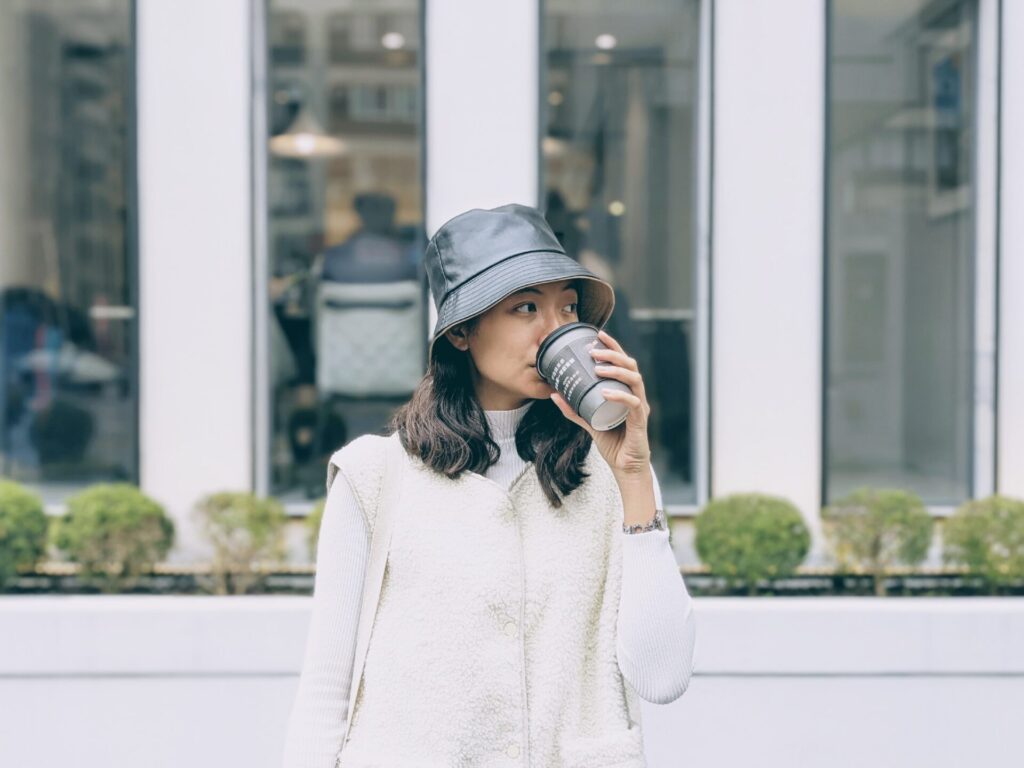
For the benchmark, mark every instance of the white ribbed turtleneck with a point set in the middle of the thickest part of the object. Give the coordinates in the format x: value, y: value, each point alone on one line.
x: 503, y: 425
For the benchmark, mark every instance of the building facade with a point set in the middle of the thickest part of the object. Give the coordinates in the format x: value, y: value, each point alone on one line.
x: 807, y: 208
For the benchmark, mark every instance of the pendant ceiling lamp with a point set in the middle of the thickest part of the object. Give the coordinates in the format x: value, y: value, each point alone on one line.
x: 305, y: 138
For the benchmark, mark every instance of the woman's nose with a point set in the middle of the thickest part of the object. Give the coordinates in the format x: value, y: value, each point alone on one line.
x: 553, y: 321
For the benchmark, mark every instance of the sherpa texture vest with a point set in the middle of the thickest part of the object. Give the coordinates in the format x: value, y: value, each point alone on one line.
x: 494, y: 642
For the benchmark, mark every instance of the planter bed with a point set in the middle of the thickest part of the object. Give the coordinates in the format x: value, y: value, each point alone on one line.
x: 61, y: 578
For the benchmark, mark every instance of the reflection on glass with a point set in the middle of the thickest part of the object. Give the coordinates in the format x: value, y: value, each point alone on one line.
x: 619, y: 142
x: 67, y: 293
x: 900, y: 216
x: 348, y: 332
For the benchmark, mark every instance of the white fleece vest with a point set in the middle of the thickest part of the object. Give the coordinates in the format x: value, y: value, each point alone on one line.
x: 494, y: 642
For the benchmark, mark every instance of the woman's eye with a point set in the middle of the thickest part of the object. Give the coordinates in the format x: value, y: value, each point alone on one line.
x: 533, y: 305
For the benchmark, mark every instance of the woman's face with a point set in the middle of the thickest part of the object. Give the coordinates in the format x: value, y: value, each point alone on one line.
x: 503, y: 348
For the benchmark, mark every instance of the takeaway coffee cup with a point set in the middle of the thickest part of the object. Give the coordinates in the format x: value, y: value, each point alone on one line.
x: 564, y: 361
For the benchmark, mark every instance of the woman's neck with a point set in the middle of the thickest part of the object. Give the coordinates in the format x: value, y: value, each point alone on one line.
x: 503, y: 423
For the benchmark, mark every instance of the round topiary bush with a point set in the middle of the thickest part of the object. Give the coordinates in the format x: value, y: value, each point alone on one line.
x: 115, y: 533
x: 313, y: 521
x: 987, y: 536
x: 244, y: 530
x: 23, y: 531
x: 746, y: 537
x: 872, y: 529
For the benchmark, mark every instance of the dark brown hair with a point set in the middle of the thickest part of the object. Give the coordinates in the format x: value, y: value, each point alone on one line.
x: 444, y: 424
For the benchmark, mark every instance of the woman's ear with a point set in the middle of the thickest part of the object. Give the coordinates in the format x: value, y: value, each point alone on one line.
x: 457, y: 337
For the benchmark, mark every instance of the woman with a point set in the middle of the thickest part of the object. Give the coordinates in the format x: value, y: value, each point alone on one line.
x: 530, y: 593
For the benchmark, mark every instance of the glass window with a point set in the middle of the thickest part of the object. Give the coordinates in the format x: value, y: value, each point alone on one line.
x: 67, y: 252
x: 619, y: 136
x: 901, y: 95
x: 348, y: 295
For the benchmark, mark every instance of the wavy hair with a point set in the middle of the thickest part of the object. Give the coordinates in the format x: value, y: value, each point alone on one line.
x: 444, y: 424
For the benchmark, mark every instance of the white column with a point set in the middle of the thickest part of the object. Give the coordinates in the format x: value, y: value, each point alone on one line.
x: 482, y: 111
x: 767, y: 259
x: 194, y: 254
x: 1010, y: 404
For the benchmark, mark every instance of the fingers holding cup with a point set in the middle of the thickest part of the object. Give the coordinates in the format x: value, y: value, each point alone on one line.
x: 570, y: 414
x: 622, y: 367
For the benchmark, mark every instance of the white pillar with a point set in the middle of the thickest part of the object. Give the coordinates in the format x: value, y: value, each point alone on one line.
x: 195, y: 269
x: 1010, y: 404
x: 767, y: 259
x: 481, y: 106
x: 482, y: 111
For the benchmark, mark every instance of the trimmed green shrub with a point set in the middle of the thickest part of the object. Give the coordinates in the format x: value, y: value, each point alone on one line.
x: 746, y: 537
x: 115, y: 533
x: 244, y: 530
x: 987, y: 536
x: 873, y: 529
x: 313, y: 521
x: 23, y: 531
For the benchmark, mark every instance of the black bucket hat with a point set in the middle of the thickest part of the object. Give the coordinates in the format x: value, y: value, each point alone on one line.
x: 481, y: 256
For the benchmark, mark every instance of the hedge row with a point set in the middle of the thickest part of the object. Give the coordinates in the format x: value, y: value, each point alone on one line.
x: 746, y: 538
x: 115, y: 533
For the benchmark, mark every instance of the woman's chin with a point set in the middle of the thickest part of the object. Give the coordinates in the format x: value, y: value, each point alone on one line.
x: 543, y: 388
x: 537, y: 387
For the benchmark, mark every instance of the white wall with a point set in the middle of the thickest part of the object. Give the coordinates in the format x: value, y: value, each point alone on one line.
x: 482, y: 149
x: 767, y: 262
x: 1010, y: 406
x: 194, y: 75
x: 208, y: 682
x: 482, y: 144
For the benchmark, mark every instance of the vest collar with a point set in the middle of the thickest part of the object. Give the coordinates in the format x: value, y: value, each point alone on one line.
x: 527, y: 471
x: 530, y: 469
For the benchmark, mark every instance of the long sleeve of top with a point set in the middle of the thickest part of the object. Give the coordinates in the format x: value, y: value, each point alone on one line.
x: 318, y: 717
x: 656, y: 623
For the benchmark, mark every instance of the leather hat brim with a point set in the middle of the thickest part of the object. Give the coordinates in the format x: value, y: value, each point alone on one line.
x: 595, y: 302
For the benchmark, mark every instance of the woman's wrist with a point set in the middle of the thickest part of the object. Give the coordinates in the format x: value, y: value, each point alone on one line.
x: 638, y: 501
x: 637, y: 474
